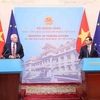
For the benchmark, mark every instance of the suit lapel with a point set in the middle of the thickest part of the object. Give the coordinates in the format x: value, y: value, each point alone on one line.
x: 10, y: 48
x: 86, y: 51
x: 16, y: 48
x: 91, y: 50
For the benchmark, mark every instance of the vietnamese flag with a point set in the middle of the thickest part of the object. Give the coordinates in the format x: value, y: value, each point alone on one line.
x: 83, y: 33
x: 2, y: 41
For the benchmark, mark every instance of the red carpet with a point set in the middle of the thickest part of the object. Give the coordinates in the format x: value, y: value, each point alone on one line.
x: 53, y: 97
x: 50, y: 91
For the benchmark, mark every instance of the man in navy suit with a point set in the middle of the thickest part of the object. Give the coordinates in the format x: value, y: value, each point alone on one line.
x: 13, y: 49
x: 88, y: 50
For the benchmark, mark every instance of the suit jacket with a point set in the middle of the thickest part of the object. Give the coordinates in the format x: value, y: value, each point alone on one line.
x: 84, y: 52
x: 7, y: 50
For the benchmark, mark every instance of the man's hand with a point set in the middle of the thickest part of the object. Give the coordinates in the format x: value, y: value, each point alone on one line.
x: 12, y: 57
x: 2, y: 57
x: 78, y: 60
x: 17, y: 56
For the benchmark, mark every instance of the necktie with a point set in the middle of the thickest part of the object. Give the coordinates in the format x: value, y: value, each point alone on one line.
x: 13, y: 52
x: 88, y: 49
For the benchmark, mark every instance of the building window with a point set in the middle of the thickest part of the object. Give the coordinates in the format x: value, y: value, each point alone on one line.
x: 57, y: 60
x: 48, y: 60
x: 62, y: 58
x: 68, y: 56
x: 67, y: 49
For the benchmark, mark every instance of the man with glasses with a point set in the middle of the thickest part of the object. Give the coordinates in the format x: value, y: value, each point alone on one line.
x: 88, y: 50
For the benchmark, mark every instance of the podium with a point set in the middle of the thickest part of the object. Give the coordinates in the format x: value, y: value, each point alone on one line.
x: 90, y: 69
x: 10, y: 70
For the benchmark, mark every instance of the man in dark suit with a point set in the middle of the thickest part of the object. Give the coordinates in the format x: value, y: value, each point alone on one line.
x: 13, y: 49
x: 88, y: 50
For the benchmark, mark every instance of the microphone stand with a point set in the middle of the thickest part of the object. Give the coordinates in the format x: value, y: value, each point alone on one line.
x: 97, y: 51
x: 5, y: 52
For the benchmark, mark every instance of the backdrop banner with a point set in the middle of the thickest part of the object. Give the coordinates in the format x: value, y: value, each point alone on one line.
x: 48, y: 36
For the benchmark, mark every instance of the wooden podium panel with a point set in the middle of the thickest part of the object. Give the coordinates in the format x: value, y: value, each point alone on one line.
x: 10, y: 70
x: 9, y: 86
x: 91, y: 85
x: 90, y: 69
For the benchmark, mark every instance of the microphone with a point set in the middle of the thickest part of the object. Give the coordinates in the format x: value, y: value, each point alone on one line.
x: 96, y: 49
x: 5, y: 52
x: 2, y: 57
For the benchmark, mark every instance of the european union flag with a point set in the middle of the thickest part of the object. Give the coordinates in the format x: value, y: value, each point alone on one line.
x: 12, y: 28
x: 96, y: 40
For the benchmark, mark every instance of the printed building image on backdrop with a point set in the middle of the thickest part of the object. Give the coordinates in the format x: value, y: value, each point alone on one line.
x: 54, y: 64
x: 49, y: 37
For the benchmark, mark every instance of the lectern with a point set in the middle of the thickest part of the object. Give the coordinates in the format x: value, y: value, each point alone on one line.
x: 10, y: 70
x: 90, y: 68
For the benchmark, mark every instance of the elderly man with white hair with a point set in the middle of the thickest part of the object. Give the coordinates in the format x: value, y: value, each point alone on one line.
x: 13, y: 49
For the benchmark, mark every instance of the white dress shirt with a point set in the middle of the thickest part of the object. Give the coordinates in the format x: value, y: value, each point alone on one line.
x: 12, y: 43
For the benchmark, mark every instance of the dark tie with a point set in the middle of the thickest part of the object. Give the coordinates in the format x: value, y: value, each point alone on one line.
x: 89, y: 50
x: 13, y: 52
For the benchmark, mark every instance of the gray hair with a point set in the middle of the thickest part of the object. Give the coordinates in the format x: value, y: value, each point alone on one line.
x: 12, y: 35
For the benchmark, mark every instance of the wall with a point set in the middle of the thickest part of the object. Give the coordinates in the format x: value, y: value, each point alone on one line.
x: 92, y: 9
